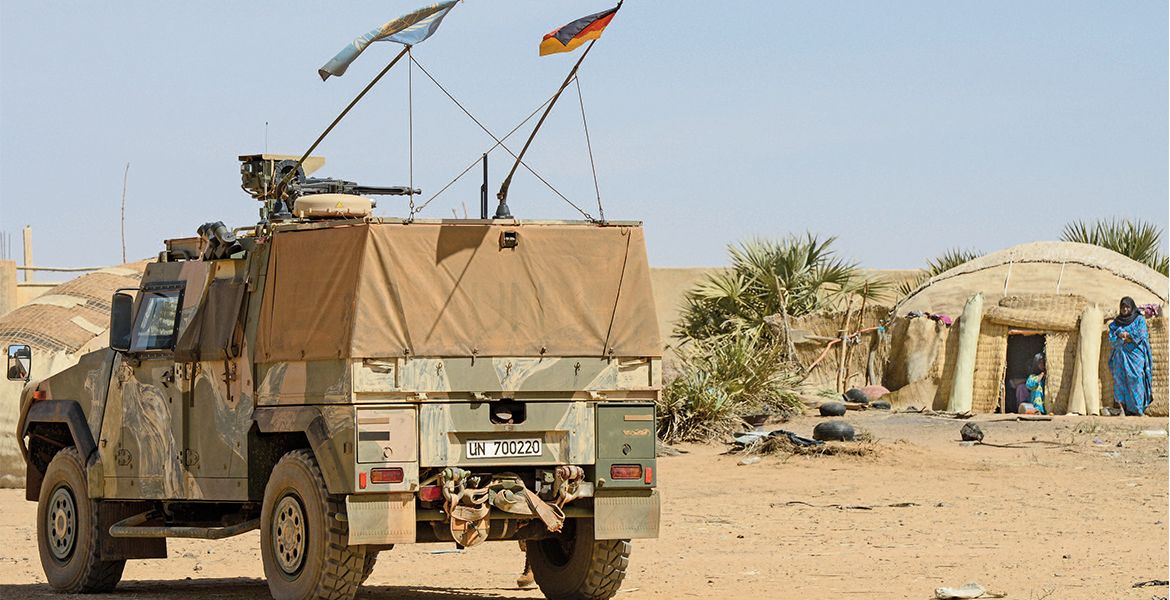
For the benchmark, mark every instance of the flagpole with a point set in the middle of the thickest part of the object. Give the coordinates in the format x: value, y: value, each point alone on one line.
x: 373, y: 82
x: 502, y: 211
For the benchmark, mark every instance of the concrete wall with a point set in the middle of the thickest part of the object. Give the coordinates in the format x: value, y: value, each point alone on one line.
x: 8, y: 296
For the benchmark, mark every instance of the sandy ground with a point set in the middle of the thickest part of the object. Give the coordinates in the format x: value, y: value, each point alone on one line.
x: 1083, y: 520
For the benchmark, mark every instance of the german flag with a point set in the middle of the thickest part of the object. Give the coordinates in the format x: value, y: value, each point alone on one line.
x: 568, y: 37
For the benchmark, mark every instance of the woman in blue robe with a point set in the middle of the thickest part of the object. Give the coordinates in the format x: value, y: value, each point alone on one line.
x: 1130, y: 359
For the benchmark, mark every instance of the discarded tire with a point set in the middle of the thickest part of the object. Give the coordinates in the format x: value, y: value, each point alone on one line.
x: 880, y: 405
x: 856, y: 395
x: 833, y: 431
x: 971, y: 433
x: 832, y: 409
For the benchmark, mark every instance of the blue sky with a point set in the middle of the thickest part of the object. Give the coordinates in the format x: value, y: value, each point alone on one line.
x: 903, y: 128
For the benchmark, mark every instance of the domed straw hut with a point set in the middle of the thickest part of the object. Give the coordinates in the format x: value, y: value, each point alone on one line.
x: 66, y: 322
x: 1050, y: 297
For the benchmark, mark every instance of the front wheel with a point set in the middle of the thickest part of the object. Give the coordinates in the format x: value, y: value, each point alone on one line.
x: 67, y: 530
x: 574, y: 566
x: 304, y: 546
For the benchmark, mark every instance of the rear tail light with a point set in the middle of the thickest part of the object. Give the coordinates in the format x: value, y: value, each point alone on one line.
x: 430, y: 493
x: 625, y: 472
x: 649, y: 475
x: 390, y: 475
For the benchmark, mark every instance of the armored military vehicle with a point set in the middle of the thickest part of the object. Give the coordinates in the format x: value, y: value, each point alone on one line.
x: 345, y: 383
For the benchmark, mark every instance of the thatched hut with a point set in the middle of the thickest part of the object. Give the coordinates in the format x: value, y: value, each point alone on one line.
x: 67, y: 321
x: 818, y: 350
x: 1051, y: 297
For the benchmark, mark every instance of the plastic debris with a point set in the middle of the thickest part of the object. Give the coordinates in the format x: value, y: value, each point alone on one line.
x: 968, y: 591
x: 753, y: 437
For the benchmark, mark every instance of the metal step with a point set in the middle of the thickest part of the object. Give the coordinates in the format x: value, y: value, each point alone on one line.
x: 133, y: 527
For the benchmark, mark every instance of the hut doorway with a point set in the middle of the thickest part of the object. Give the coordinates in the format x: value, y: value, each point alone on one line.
x: 1022, y: 347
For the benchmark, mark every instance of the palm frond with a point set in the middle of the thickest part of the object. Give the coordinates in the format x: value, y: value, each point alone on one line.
x: 944, y: 262
x: 1137, y: 239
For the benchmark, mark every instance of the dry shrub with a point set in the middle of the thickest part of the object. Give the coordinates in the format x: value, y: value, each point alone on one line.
x: 718, y: 382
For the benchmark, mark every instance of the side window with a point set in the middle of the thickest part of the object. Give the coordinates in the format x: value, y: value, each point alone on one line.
x: 157, y: 322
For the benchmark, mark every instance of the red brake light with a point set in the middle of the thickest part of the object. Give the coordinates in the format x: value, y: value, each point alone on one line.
x: 390, y: 475
x: 430, y: 493
x: 649, y: 475
x: 362, y: 480
x: 625, y: 472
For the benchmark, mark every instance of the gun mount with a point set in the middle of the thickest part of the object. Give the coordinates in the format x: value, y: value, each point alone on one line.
x: 262, y: 175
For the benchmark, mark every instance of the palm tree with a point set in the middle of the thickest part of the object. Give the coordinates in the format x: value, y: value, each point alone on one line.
x: 794, y: 276
x: 1137, y: 239
x: 731, y: 362
x: 943, y: 263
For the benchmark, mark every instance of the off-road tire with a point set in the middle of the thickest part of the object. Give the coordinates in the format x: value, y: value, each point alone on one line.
x: 329, y: 568
x: 368, y: 567
x: 574, y: 566
x: 81, y: 570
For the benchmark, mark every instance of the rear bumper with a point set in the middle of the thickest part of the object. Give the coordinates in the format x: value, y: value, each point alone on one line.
x: 611, y: 442
x: 395, y: 518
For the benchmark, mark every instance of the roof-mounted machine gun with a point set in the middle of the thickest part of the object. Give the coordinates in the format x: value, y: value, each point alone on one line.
x: 263, y: 175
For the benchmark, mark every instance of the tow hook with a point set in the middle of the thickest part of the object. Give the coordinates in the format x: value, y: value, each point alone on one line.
x: 568, y: 483
x: 467, y: 508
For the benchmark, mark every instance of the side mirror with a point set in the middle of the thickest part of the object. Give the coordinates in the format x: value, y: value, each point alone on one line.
x: 121, y: 316
x: 19, y: 362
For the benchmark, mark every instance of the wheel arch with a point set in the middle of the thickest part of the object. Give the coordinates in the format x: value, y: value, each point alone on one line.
x: 327, y: 432
x: 53, y: 425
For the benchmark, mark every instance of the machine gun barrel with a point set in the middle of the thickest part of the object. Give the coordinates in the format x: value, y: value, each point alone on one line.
x: 393, y: 190
x: 314, y: 185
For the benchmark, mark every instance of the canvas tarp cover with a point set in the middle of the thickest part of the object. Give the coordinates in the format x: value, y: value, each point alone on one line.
x: 426, y: 289
x: 212, y: 331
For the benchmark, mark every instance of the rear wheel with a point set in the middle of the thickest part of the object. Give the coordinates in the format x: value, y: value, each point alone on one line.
x: 368, y: 567
x: 303, y: 545
x: 68, y: 536
x: 574, y: 566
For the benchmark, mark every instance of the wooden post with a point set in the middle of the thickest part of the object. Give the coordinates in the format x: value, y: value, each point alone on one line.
x: 871, y: 359
x: 860, y: 324
x: 125, y: 179
x: 841, y: 335
x: 28, y: 253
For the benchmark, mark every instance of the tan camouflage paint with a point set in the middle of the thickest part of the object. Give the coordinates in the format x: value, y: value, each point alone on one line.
x: 303, y: 382
x: 155, y: 441
x: 142, y: 432
x: 504, y: 376
x: 566, y: 427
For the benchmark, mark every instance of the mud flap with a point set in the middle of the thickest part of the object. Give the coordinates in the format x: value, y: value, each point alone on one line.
x: 381, y: 518
x: 626, y: 516
x: 112, y: 548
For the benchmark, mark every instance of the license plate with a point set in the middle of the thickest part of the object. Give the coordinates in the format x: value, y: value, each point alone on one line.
x: 503, y: 448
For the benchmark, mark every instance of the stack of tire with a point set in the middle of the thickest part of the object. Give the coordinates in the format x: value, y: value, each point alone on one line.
x: 833, y: 430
